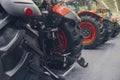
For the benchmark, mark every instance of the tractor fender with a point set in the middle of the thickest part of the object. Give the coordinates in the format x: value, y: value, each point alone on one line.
x: 59, y: 9
x: 90, y: 13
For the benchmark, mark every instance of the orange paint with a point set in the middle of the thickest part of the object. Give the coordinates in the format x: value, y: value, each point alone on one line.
x: 104, y: 15
x: 113, y: 19
x: 101, y: 19
x: 62, y: 10
x: 93, y: 32
x: 92, y: 11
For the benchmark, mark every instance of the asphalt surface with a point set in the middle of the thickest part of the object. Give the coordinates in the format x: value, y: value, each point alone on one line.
x: 104, y: 63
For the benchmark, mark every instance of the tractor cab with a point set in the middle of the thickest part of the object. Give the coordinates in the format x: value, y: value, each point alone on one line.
x: 80, y: 5
x: 71, y: 4
x: 105, y: 13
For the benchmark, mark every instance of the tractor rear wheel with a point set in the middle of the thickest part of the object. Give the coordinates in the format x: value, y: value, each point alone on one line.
x: 67, y: 43
x: 108, y: 26
x: 93, y: 32
x: 116, y: 29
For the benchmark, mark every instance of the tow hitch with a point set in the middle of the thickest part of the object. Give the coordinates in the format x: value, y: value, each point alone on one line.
x: 82, y: 62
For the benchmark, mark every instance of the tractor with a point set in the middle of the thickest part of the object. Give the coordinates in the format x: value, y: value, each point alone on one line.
x: 109, y: 20
x: 97, y: 24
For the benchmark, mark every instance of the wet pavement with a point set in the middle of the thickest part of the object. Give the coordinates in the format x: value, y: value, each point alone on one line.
x: 104, y: 63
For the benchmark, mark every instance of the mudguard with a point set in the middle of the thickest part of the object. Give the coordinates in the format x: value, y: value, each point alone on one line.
x: 17, y: 7
x: 92, y: 13
x: 65, y: 12
x: 62, y: 10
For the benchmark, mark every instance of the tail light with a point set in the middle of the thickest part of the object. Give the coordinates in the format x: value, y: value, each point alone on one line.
x: 28, y: 12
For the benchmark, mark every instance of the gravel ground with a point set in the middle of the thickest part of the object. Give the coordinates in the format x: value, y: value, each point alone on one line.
x: 104, y: 63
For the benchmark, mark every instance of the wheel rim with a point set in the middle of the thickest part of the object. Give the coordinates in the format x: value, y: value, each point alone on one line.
x: 88, y: 32
x: 63, y: 41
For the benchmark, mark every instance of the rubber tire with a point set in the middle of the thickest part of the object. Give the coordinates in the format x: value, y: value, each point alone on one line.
x: 73, y: 36
x: 74, y: 42
x: 24, y: 73
x: 107, y: 24
x: 40, y: 77
x: 116, y: 30
x: 100, y: 32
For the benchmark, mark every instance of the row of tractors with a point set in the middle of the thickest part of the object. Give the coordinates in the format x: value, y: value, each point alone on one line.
x: 43, y: 40
x: 98, y: 25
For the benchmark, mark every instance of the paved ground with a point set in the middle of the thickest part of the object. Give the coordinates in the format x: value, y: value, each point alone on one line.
x: 104, y: 63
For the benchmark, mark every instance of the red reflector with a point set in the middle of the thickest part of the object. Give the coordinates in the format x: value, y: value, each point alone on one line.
x: 28, y: 11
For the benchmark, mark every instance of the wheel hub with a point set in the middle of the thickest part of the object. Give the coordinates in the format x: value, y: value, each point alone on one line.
x: 86, y: 32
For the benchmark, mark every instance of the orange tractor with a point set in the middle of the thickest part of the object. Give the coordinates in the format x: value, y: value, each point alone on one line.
x: 109, y: 20
x: 97, y: 25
